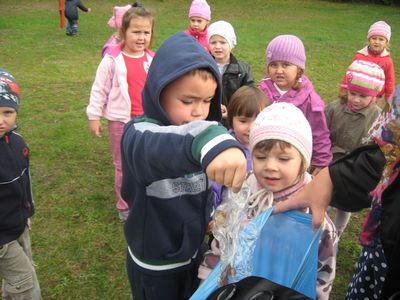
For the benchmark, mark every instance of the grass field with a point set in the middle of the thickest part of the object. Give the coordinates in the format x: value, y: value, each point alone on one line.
x: 78, y: 241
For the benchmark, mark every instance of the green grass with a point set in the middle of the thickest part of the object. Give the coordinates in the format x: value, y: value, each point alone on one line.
x: 77, y: 239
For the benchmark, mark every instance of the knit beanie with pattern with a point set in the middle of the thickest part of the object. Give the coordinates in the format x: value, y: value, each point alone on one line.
x: 365, y: 77
x: 380, y: 28
x: 223, y: 29
x: 9, y: 90
x: 200, y: 8
x: 287, y: 48
x: 283, y: 121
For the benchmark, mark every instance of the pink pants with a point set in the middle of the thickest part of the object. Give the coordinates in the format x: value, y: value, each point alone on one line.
x: 115, y: 130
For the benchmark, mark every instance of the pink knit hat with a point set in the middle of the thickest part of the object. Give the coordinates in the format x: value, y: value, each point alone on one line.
x: 116, y: 19
x: 380, y: 28
x: 200, y: 8
x: 283, y: 121
x: 365, y: 77
x: 287, y: 48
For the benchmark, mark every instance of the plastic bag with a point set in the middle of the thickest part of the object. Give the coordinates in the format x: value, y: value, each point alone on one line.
x: 285, y: 252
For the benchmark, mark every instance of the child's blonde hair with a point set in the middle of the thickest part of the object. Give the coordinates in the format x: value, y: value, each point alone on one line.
x: 246, y: 101
x: 137, y: 11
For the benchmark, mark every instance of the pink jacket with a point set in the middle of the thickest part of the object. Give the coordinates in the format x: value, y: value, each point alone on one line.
x: 109, y: 97
x: 311, y: 104
x: 201, y: 37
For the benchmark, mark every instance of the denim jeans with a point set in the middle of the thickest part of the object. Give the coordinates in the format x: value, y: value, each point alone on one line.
x: 17, y: 270
x: 72, y: 26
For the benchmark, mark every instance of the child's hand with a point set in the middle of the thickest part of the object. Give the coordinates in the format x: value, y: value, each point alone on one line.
x: 89, y: 10
x: 228, y: 168
x: 224, y: 112
x: 95, y: 127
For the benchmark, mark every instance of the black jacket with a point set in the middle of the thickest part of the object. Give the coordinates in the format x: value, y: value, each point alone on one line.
x: 353, y: 177
x: 237, y: 74
x: 16, y: 204
x: 71, y: 9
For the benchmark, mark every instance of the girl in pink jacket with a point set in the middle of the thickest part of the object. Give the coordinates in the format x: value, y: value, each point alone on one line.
x: 285, y: 82
x: 116, y: 91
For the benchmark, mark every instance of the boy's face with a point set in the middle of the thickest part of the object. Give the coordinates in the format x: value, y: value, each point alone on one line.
x: 283, y: 73
x: 198, y: 24
x: 188, y: 98
x: 358, y: 101
x: 377, y: 43
x: 277, y: 169
x: 220, y: 49
x: 8, y: 117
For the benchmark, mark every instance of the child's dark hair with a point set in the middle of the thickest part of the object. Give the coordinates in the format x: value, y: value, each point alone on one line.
x: 136, y: 11
x: 267, y: 145
x: 247, y: 101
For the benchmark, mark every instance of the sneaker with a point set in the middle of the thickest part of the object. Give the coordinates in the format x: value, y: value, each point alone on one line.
x: 123, y: 215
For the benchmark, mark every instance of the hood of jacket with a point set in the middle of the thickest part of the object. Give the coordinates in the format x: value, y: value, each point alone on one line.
x: 178, y: 55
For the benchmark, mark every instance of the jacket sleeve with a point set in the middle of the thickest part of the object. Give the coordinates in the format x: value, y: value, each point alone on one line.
x: 82, y: 7
x: 354, y: 176
x: 153, y: 152
x: 100, y: 89
x: 389, y: 79
x: 248, y: 80
x: 321, y: 154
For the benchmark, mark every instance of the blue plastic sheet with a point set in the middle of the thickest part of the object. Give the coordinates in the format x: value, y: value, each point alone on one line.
x: 282, y: 248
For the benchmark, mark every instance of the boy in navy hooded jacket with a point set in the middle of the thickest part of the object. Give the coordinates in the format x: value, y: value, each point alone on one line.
x: 169, y: 157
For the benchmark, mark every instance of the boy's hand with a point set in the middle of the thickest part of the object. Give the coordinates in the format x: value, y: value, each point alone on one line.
x: 89, y: 10
x: 228, y: 168
x: 95, y: 127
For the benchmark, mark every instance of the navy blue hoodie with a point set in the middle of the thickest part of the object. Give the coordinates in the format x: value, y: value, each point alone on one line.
x: 163, y: 166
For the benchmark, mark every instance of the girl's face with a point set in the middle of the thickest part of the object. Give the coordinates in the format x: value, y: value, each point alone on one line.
x: 283, y: 74
x: 377, y: 43
x: 277, y: 169
x: 358, y: 101
x: 137, y: 36
x: 198, y: 24
x: 220, y: 49
x: 241, y: 125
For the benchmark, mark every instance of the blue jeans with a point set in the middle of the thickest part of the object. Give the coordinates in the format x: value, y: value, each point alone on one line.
x: 72, y: 26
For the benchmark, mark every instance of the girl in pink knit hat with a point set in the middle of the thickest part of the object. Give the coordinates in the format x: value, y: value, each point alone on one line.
x: 199, y: 18
x: 285, y: 82
x: 377, y: 52
x: 350, y: 118
x: 281, y: 148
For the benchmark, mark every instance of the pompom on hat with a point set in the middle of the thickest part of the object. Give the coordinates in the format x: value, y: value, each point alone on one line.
x: 223, y: 29
x: 9, y: 90
x: 200, y: 8
x: 365, y: 77
x: 287, y: 48
x: 116, y: 19
x: 380, y: 28
x: 283, y: 121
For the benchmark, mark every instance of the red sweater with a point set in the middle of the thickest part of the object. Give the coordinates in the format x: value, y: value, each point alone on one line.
x: 385, y: 62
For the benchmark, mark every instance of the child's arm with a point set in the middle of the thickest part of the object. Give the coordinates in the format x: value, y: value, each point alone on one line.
x: 389, y: 80
x: 83, y: 7
x: 154, y: 152
x: 99, y: 95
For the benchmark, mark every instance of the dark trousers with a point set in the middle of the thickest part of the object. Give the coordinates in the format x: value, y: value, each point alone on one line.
x: 176, y: 286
